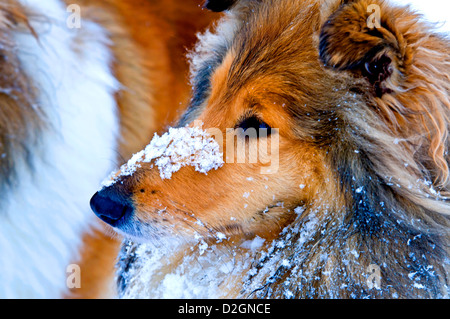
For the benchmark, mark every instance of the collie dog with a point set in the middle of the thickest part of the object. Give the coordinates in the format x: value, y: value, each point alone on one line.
x: 353, y: 200
x: 79, y: 85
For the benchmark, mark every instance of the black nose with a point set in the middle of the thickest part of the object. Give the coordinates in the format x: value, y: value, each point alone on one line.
x: 111, y: 207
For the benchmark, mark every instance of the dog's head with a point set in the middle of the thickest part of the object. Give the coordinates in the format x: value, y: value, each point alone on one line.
x: 344, y: 106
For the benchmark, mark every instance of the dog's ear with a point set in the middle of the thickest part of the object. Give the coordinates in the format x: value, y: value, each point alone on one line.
x: 367, y: 38
x: 219, y: 5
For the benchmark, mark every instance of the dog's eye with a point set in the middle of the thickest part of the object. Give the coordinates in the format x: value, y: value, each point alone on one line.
x: 256, y: 123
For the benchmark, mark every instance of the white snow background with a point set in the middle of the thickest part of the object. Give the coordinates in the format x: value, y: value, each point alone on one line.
x: 435, y: 11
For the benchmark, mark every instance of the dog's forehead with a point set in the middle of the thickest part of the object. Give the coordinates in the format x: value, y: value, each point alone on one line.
x: 261, y: 41
x: 271, y: 43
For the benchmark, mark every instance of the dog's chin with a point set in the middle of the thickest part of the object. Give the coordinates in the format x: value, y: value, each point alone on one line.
x: 144, y: 233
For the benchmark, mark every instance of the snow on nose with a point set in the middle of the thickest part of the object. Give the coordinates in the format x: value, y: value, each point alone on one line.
x: 173, y: 150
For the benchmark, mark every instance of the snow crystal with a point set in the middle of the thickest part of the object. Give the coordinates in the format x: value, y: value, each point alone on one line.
x: 220, y: 236
x: 173, y: 150
x: 285, y: 263
x: 254, y: 244
x: 299, y: 210
x: 226, y: 268
x: 418, y: 286
x: 202, y: 247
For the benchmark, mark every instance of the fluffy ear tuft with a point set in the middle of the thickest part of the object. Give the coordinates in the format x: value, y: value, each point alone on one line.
x: 363, y: 37
x: 219, y: 5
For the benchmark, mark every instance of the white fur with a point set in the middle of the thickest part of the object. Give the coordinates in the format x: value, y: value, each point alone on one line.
x: 46, y: 215
x: 209, y: 41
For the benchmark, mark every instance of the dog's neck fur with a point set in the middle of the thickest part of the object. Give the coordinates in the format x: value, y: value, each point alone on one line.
x: 320, y: 261
x: 67, y: 148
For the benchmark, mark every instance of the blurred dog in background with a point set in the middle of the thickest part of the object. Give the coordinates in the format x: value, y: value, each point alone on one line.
x: 83, y: 85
